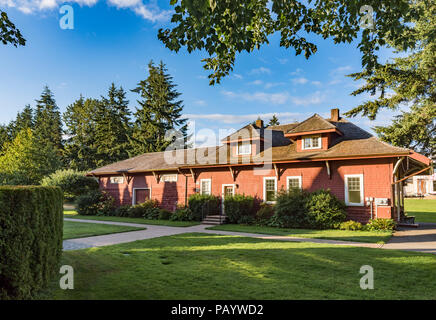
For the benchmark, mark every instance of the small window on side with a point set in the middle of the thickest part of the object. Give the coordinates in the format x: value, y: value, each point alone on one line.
x: 117, y: 180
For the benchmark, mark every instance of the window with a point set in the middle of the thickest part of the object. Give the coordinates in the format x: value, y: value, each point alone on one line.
x: 205, y: 186
x: 294, y: 182
x: 312, y: 142
x: 269, y: 189
x: 354, y: 190
x: 117, y: 180
x: 244, y: 148
x: 168, y: 178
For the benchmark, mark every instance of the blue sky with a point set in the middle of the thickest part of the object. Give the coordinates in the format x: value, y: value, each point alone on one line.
x: 112, y: 41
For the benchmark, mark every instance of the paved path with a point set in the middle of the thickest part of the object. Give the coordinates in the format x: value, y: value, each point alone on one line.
x: 422, y: 239
x: 154, y: 231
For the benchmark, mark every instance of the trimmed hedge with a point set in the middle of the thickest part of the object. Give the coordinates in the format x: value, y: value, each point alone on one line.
x: 73, y: 183
x: 203, y: 205
x: 238, y: 206
x: 31, y: 222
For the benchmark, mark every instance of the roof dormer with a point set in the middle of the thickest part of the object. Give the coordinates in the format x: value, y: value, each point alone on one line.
x: 253, y: 139
x: 315, y: 133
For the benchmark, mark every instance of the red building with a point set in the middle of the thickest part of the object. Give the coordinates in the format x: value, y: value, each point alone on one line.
x: 317, y: 153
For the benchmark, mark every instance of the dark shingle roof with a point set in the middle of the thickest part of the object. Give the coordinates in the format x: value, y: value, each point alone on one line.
x: 355, y: 142
x: 314, y: 123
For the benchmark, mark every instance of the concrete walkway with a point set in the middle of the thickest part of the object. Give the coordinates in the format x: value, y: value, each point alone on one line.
x: 154, y: 231
x: 422, y: 239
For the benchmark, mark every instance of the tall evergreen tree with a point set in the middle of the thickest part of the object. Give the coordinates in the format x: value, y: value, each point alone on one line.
x: 406, y: 80
x: 113, y: 127
x: 80, y: 146
x: 274, y: 121
x: 5, y: 136
x: 159, y: 112
x: 48, y: 122
x: 24, y: 120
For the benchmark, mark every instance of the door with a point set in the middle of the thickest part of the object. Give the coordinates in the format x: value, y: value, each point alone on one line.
x: 421, y: 187
x: 141, y: 195
x: 228, y: 191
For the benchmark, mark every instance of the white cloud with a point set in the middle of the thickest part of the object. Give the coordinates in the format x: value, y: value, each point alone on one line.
x: 314, y: 98
x: 300, y: 80
x: 256, y: 82
x: 273, y: 98
x: 238, y: 76
x: 277, y: 98
x: 284, y: 117
x: 261, y: 70
x: 200, y: 102
x: 149, y: 11
x: 296, y: 72
x: 316, y: 83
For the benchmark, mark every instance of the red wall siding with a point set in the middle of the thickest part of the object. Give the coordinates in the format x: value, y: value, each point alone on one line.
x: 376, y: 172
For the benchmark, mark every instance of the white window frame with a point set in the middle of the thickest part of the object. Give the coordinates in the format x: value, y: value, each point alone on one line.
x: 134, y: 194
x: 294, y: 177
x: 264, y: 188
x: 362, y: 200
x: 244, y: 153
x: 116, y: 177
x: 210, y: 185
x: 311, y: 147
x: 167, y: 175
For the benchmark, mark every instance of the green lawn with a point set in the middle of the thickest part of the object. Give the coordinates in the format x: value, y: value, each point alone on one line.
x: 204, y: 266
x: 423, y: 209
x: 73, y: 215
x: 73, y: 230
x: 359, y: 236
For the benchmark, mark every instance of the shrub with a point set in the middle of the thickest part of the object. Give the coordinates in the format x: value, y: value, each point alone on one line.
x: 165, y: 214
x: 237, y: 206
x: 290, y: 209
x: 122, y: 211
x: 265, y: 212
x: 248, y: 220
x: 31, y: 221
x: 148, y: 210
x: 182, y: 214
x: 95, y: 203
x: 73, y: 183
x: 324, y: 210
x: 202, y: 205
x: 380, y: 225
x: 350, y: 225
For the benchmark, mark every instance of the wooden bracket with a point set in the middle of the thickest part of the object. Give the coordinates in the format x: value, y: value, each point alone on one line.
x: 128, y: 178
x: 278, y: 171
x: 156, y: 176
x: 232, y: 172
x: 193, y: 175
x: 327, y: 164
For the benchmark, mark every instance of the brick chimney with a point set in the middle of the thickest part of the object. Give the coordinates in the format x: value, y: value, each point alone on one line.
x: 259, y: 123
x: 334, y: 115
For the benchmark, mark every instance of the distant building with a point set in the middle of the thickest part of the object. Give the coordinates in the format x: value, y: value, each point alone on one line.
x: 421, y: 186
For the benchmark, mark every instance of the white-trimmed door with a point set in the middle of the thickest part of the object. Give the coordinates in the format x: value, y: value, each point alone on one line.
x: 227, y: 190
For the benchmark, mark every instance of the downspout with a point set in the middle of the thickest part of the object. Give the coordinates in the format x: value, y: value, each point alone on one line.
x: 396, y: 190
x: 186, y: 191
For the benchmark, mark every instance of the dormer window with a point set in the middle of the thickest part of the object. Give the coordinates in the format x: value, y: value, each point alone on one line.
x: 312, y: 142
x: 244, y: 148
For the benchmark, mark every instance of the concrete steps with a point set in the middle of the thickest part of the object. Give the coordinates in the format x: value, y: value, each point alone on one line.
x: 214, y: 219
